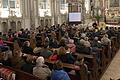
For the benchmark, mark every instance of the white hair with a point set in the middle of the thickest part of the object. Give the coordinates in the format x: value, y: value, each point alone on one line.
x: 40, y: 61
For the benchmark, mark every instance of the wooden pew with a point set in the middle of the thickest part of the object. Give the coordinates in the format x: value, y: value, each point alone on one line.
x: 113, y: 47
x: 71, y: 66
x: 91, y: 63
x: 90, y: 59
x: 20, y: 75
x: 83, y: 75
x: 105, y: 61
x: 118, y: 38
x: 110, y: 54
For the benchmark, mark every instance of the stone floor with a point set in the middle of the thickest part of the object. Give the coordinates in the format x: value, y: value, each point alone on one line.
x: 113, y: 70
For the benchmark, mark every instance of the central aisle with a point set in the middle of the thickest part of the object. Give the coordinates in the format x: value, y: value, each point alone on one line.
x: 113, y: 70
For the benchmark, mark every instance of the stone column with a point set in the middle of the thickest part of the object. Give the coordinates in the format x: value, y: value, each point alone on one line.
x: 58, y: 15
x: 83, y: 12
x: 26, y: 14
x: 32, y: 17
x: 53, y: 11
x: 23, y: 12
x: 36, y: 13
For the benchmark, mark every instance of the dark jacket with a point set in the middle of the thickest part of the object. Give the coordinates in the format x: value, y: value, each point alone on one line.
x: 27, y: 67
x: 67, y: 58
x: 27, y: 50
x: 6, y: 62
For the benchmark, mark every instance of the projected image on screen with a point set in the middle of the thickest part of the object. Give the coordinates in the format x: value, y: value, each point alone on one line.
x: 74, y: 17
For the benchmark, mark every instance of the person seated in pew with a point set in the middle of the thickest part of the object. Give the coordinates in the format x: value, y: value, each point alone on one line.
x: 72, y: 46
x: 6, y: 57
x: 54, y: 56
x: 1, y: 42
x: 105, y: 40
x: 62, y: 43
x: 79, y: 43
x: 67, y: 56
x: 111, y: 32
x: 10, y: 38
x: 83, y: 35
x: 84, y: 46
x: 26, y: 48
x: 19, y: 34
x: 96, y: 46
x: 66, y: 37
x: 17, y: 59
x: 47, y: 40
x: 5, y: 37
x: 58, y: 73
x: 96, y: 43
x: 28, y: 65
x: 10, y: 32
x: 45, y: 52
x: 41, y: 70
x: 53, y: 43
x: 3, y: 46
x: 86, y: 42
x: 80, y: 64
x: 37, y: 49
x: 24, y: 34
x: 15, y: 37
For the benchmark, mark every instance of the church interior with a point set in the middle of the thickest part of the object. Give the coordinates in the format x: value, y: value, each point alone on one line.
x: 59, y: 39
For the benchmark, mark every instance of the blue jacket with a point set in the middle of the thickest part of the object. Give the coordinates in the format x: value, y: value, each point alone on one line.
x: 59, y: 75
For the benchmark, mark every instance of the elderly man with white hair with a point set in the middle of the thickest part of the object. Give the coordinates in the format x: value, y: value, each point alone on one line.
x: 41, y: 70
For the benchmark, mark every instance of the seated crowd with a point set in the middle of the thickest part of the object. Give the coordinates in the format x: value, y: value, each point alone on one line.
x: 55, y: 43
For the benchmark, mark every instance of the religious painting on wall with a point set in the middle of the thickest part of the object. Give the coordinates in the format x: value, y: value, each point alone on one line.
x: 114, y: 3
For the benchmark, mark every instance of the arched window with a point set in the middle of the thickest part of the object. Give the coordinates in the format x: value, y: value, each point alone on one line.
x: 10, y: 8
x: 63, y: 7
x: 44, y: 8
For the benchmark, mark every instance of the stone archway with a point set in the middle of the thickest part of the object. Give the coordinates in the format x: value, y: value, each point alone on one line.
x: 42, y: 22
x: 46, y: 22
x: 4, y: 27
x: 19, y: 25
x: 13, y: 25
